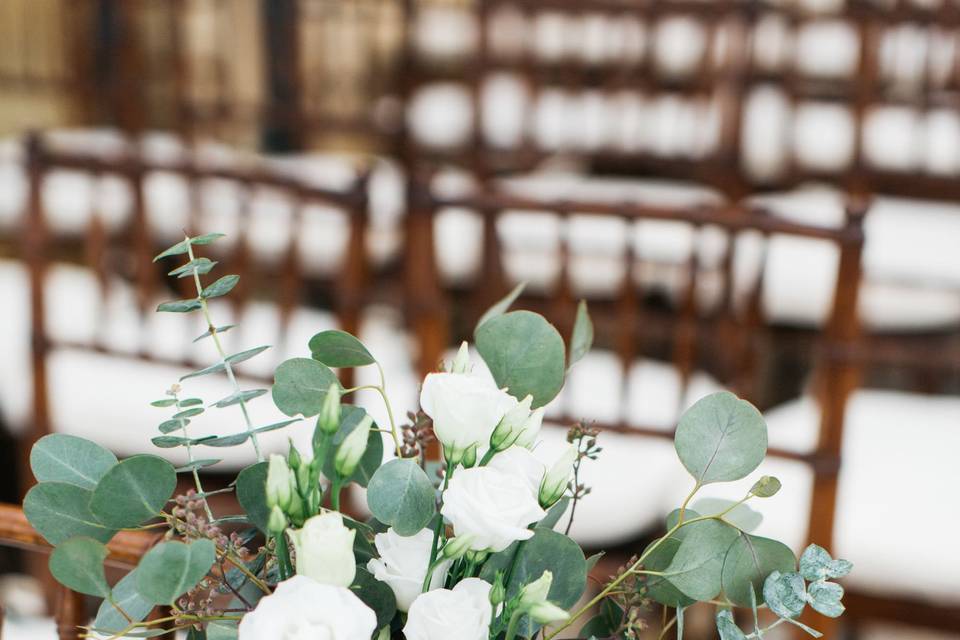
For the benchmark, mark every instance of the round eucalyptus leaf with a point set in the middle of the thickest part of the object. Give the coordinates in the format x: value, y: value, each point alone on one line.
x: 133, y: 491
x: 339, y: 349
x: 741, y: 516
x: 747, y: 564
x: 727, y: 627
x: 659, y: 587
x: 765, y: 487
x: 222, y: 630
x: 252, y: 494
x: 59, y: 457
x: 525, y: 354
x: 401, y: 495
x: 77, y: 564
x: 721, y: 438
x: 825, y: 598
x: 300, y: 385
x: 696, y: 566
x: 59, y: 511
x: 375, y: 594
x: 170, y: 569
x: 547, y: 550
x: 785, y: 593
x: 350, y: 417
x: 817, y: 564
x: 109, y: 620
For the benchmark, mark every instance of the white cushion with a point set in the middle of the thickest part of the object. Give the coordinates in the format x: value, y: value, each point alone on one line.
x: 827, y: 48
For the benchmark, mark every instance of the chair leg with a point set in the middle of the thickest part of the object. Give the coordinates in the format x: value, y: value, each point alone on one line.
x: 69, y: 614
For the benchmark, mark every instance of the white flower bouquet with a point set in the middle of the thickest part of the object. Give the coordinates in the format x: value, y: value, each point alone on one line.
x: 467, y: 551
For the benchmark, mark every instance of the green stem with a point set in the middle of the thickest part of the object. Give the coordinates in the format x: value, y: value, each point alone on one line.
x: 335, y: 488
x: 223, y: 355
x: 383, y: 394
x: 512, y: 627
x: 487, y: 457
x: 683, y: 507
x: 283, y: 557
x: 190, y: 459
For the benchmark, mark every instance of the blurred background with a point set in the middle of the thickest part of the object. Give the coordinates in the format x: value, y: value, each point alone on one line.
x: 759, y: 196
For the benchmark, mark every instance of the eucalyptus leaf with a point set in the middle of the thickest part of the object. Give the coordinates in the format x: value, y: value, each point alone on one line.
x: 198, y: 464
x: 200, y: 265
x: 207, y: 333
x: 187, y: 413
x: 252, y: 494
x: 240, y: 396
x: 170, y: 569
x: 169, y: 426
x: 825, y: 598
x: 817, y: 564
x: 300, y: 385
x: 222, y: 630
x: 275, y: 426
x: 748, y: 562
x: 741, y: 516
x: 375, y: 594
x: 350, y: 417
x: 582, y: 338
x: 547, y: 550
x: 696, y: 567
x: 221, y: 287
x: 721, y: 438
x: 179, y: 306
x: 236, y: 358
x: 525, y: 354
x: 554, y: 514
x: 594, y: 559
x: 727, y: 628
x: 765, y: 487
x: 401, y: 495
x: 77, y: 564
x: 659, y: 558
x: 339, y: 349
x: 133, y: 491
x: 59, y: 457
x: 189, y: 402
x: 206, y: 238
x: 176, y: 250
x: 500, y: 307
x: 166, y: 402
x: 785, y: 593
x: 59, y: 511
x: 227, y: 441
x: 126, y: 596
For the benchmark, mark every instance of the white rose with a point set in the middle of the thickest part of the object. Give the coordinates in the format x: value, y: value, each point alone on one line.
x: 491, y: 506
x: 519, y: 460
x: 461, y: 613
x: 325, y: 550
x: 465, y: 408
x: 403, y: 564
x: 303, y: 609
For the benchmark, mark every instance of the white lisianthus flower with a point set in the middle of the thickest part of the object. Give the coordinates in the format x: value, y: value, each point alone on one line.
x: 461, y: 613
x: 519, y: 460
x: 558, y: 477
x: 403, y: 562
x: 465, y: 409
x: 492, y: 506
x: 304, y: 608
x: 325, y: 550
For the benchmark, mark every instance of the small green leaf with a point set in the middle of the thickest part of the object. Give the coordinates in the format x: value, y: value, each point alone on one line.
x: 825, y: 598
x: 236, y: 398
x: 59, y: 457
x: 59, y: 511
x: 696, y: 568
x: 376, y: 595
x: 727, y: 628
x: 300, y: 385
x: 188, y: 413
x: 77, y: 564
x: 175, y: 250
x: 739, y: 515
x: 221, y: 287
x: 400, y: 494
x: 339, y: 349
x: 555, y: 513
x: 180, y: 306
x: 582, y: 338
x: 594, y: 559
x: 169, y: 426
x: 201, y: 265
x: 785, y: 593
x: 166, y: 402
x: 525, y: 354
x: 659, y: 587
x: 721, y: 438
x: 765, y: 487
x: 207, y: 333
x: 227, y: 441
x: 206, y: 238
x: 169, y: 442
x: 748, y: 562
x: 222, y: 630
x: 133, y: 491
x: 275, y: 426
x: 109, y: 620
x: 198, y: 464
x: 236, y: 358
x: 500, y: 307
x: 817, y: 564
x: 252, y: 494
x: 170, y: 569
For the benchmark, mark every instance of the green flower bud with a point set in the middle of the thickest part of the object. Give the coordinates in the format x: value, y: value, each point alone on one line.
x: 470, y: 456
x: 461, y: 364
x: 329, y: 418
x: 536, y: 591
x: 546, y: 612
x: 555, y: 481
x: 477, y: 557
x: 498, y: 593
x: 303, y: 480
x: 293, y: 457
x: 277, y: 523
x: 279, y: 481
x: 511, y: 425
x: 530, y: 429
x: 351, y: 449
x: 455, y: 548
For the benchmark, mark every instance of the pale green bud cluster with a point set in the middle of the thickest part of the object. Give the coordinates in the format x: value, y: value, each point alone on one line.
x: 533, y: 601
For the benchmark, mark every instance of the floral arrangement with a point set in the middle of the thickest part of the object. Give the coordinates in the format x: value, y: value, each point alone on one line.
x: 461, y: 550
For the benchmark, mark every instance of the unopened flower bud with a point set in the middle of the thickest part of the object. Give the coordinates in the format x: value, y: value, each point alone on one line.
x: 279, y: 481
x: 537, y: 590
x: 293, y: 457
x: 530, y: 429
x: 477, y: 557
x: 455, y: 548
x: 470, y: 456
x: 329, y: 419
x: 461, y: 364
x: 546, y: 612
x: 351, y: 449
x: 511, y: 425
x: 498, y: 592
x: 277, y: 523
x: 555, y: 481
